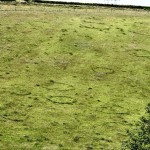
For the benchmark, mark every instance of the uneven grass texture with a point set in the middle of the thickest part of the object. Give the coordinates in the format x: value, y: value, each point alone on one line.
x: 72, y: 80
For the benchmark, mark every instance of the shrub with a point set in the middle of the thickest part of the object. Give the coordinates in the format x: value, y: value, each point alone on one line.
x: 139, y: 138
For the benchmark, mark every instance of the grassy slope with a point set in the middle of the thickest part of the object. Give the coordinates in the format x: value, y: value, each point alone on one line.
x: 72, y: 80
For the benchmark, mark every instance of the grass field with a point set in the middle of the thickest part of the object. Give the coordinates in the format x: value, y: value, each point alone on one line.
x: 71, y: 79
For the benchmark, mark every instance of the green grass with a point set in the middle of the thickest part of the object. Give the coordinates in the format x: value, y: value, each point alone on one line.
x: 72, y: 80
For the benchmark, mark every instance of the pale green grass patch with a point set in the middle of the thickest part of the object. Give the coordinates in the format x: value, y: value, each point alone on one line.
x: 72, y: 79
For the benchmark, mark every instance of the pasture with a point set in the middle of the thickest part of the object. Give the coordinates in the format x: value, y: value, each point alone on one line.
x: 71, y: 78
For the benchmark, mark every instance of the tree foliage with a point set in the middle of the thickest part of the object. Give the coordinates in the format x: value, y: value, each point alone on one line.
x: 139, y: 138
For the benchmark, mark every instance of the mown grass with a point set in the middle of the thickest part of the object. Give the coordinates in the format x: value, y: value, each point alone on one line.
x: 72, y: 79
